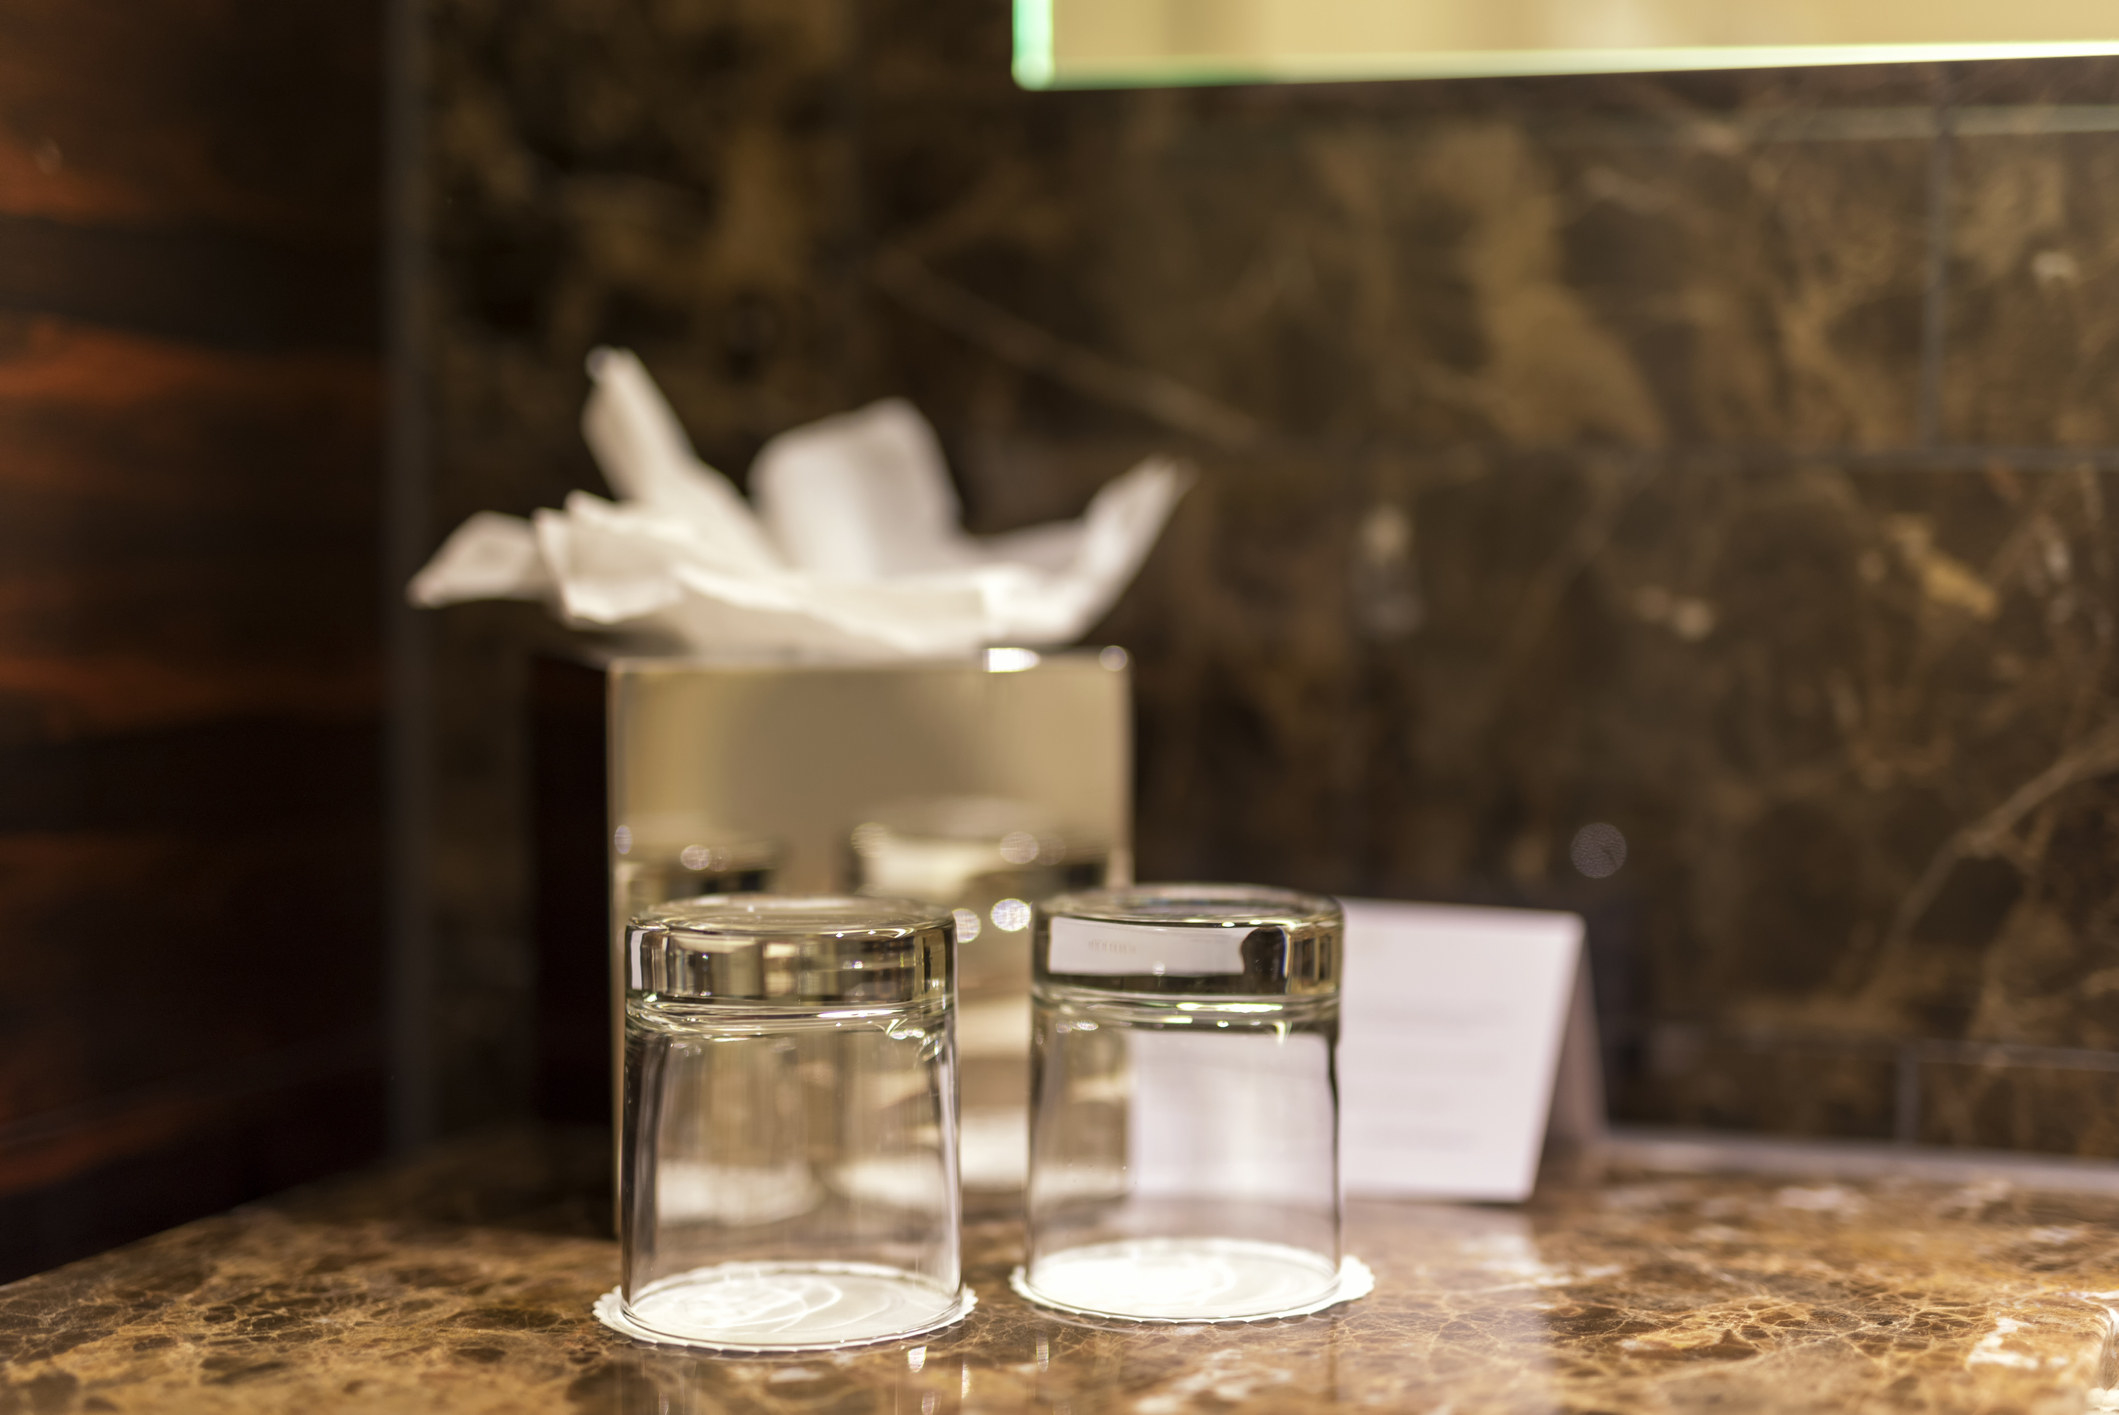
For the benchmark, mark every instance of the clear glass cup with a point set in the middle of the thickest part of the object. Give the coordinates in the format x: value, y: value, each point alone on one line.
x: 789, y: 1173
x: 1184, y: 1144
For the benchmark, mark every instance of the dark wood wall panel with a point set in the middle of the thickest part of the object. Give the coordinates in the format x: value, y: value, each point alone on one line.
x: 190, y: 843
x: 254, y: 116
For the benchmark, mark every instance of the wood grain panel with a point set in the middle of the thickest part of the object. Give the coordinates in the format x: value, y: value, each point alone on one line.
x: 190, y: 414
x: 200, y: 284
x: 134, y: 1182
x: 242, y: 114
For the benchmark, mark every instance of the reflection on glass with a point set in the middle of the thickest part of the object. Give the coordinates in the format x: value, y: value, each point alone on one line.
x: 683, y: 863
x: 987, y: 858
x: 988, y: 855
x: 660, y: 858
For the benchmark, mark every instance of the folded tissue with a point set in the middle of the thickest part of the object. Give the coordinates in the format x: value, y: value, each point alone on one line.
x: 853, y: 550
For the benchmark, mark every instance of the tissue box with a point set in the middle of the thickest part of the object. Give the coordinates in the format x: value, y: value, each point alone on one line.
x: 655, y: 773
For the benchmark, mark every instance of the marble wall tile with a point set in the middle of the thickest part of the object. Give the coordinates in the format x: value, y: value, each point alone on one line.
x: 1694, y: 1078
x: 1254, y: 733
x: 2014, y: 83
x: 2030, y: 280
x: 2021, y: 1106
x: 1571, y: 452
x: 676, y: 178
x: 2034, y: 280
x: 1853, y: 723
x: 1364, y: 262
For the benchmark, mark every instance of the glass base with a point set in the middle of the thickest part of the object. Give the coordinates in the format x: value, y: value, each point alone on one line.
x: 1185, y: 1280
x: 788, y: 1306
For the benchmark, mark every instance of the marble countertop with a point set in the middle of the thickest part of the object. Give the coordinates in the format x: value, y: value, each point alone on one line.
x: 461, y: 1283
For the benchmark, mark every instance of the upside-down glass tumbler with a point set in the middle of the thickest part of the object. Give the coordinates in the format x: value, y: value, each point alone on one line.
x: 1184, y: 1113
x: 789, y: 1176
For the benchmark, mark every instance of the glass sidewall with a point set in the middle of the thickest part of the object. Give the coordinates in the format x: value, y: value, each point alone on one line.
x: 765, y: 1140
x: 1160, y: 1117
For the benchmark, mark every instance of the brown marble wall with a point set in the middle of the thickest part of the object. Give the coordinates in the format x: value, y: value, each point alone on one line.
x: 1716, y: 458
x: 678, y: 178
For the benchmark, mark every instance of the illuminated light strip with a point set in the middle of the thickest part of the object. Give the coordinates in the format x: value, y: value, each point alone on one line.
x: 1033, y: 43
x: 1037, y: 67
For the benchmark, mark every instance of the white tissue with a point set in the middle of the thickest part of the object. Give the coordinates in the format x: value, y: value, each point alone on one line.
x: 855, y: 549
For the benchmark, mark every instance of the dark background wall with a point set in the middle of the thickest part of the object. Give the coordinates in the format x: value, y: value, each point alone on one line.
x: 1722, y: 459
x: 191, y: 963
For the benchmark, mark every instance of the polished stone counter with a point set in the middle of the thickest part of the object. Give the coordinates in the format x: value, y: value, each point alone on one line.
x: 462, y: 1283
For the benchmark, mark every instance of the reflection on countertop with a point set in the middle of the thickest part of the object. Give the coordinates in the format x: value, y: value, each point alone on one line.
x: 462, y: 1282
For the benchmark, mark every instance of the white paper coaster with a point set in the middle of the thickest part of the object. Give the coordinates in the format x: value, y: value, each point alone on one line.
x: 1168, y: 1280
x: 757, y: 1309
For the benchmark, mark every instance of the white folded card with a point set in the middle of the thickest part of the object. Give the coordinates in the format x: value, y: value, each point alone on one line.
x: 1451, y: 1022
x: 1093, y: 946
x: 1202, y: 1103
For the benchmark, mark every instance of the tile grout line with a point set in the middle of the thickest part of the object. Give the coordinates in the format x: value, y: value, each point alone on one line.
x: 1836, y: 125
x: 408, y: 761
x: 1905, y: 1108
x: 1935, y: 297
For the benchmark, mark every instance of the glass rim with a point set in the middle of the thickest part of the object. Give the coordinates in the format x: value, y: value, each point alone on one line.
x: 814, y: 950
x: 1215, y: 905
x: 1190, y: 940
x: 746, y: 918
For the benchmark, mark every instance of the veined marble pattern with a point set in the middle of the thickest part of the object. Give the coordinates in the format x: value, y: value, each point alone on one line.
x: 674, y: 178
x: 462, y: 1284
x: 1723, y: 458
x: 2035, y: 308
x: 1853, y: 722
